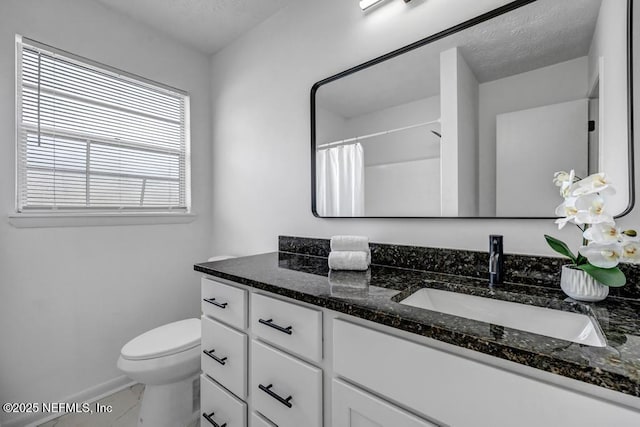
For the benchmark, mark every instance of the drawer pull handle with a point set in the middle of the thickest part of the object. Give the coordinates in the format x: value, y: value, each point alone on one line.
x: 286, y: 402
x: 209, y: 417
x: 214, y: 357
x: 217, y: 304
x: 269, y: 322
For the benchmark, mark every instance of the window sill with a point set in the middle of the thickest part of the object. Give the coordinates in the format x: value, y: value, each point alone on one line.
x: 41, y: 220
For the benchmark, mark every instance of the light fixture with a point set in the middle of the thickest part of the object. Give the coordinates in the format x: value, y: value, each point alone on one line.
x: 366, y: 4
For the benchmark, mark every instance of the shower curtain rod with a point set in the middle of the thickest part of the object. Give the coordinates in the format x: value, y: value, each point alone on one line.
x: 357, y: 139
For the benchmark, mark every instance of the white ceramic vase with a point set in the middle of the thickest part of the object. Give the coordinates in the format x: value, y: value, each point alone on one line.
x: 580, y: 286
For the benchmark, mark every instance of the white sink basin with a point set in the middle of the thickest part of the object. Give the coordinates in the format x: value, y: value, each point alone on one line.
x: 568, y: 326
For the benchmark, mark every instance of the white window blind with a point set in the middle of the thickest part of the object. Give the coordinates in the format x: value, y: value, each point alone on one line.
x: 91, y: 138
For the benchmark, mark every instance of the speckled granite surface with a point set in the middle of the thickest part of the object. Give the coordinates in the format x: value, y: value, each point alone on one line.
x: 375, y: 296
x: 525, y: 269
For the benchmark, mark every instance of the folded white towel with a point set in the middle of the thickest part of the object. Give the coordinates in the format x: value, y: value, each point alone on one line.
x: 350, y: 243
x: 348, y: 260
x: 368, y: 256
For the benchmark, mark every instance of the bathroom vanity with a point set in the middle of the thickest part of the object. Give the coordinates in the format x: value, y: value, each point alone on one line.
x: 286, y: 345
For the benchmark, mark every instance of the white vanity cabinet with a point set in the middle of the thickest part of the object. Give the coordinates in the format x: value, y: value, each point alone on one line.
x: 263, y: 371
x: 352, y: 407
x: 293, y: 364
x: 461, y: 392
x: 223, y: 384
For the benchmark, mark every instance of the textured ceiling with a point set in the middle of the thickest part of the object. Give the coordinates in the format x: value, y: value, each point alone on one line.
x: 537, y: 35
x: 207, y: 25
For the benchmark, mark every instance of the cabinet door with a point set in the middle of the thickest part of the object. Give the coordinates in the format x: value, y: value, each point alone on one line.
x: 460, y: 392
x: 352, y: 407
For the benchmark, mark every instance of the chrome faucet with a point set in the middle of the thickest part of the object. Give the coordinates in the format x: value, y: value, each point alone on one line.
x: 496, y: 260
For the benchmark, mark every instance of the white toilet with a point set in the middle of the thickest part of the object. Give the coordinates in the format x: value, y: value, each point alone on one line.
x: 167, y: 361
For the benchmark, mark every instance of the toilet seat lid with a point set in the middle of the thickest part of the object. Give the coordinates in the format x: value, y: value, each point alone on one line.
x: 164, y: 340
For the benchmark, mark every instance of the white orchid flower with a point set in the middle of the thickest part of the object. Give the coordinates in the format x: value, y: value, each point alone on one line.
x: 591, y: 210
x: 560, y: 177
x: 602, y: 255
x: 631, y: 252
x: 568, y: 211
x: 603, y: 233
x: 562, y: 222
x: 564, y: 180
x: 596, y: 183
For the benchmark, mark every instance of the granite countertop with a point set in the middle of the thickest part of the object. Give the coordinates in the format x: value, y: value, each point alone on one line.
x: 376, y: 298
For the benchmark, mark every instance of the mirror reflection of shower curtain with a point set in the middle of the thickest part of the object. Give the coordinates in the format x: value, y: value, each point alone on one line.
x: 341, y: 181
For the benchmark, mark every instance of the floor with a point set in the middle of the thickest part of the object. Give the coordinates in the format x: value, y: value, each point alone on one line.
x: 125, y: 403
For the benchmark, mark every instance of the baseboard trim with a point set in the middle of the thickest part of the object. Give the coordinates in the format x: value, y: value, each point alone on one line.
x: 88, y: 395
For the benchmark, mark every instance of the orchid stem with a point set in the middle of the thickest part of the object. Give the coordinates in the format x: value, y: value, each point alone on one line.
x: 585, y: 242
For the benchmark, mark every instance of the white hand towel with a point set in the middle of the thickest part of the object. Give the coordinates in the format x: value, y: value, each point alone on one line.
x: 350, y: 243
x: 348, y: 260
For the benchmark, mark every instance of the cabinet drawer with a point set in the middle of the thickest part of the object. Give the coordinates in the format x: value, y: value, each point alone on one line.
x: 258, y: 420
x: 289, y: 326
x: 285, y: 390
x: 224, y: 302
x: 224, y: 356
x: 352, y: 407
x: 219, y: 406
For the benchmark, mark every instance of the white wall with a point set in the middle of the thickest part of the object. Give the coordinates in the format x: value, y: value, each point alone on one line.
x: 260, y: 88
x: 535, y: 143
x: 329, y: 126
x: 71, y: 297
x: 467, y: 123
x: 606, y: 61
x: 410, y: 188
x: 566, y: 81
x: 459, y: 153
x: 410, y: 144
x: 402, y: 169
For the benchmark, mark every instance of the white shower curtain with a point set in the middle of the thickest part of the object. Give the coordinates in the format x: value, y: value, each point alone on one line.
x: 340, y: 186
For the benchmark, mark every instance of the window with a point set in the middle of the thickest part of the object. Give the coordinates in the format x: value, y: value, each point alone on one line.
x: 94, y: 139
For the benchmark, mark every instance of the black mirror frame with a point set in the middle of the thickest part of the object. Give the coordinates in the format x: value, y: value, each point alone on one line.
x: 440, y: 35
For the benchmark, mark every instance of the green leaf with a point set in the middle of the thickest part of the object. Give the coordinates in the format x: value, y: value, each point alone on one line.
x: 560, y: 247
x: 612, y: 277
x: 581, y: 259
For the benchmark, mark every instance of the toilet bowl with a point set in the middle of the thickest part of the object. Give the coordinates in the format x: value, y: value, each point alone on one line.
x: 167, y: 361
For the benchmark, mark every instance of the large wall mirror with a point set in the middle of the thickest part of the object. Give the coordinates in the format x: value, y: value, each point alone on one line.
x: 474, y: 121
